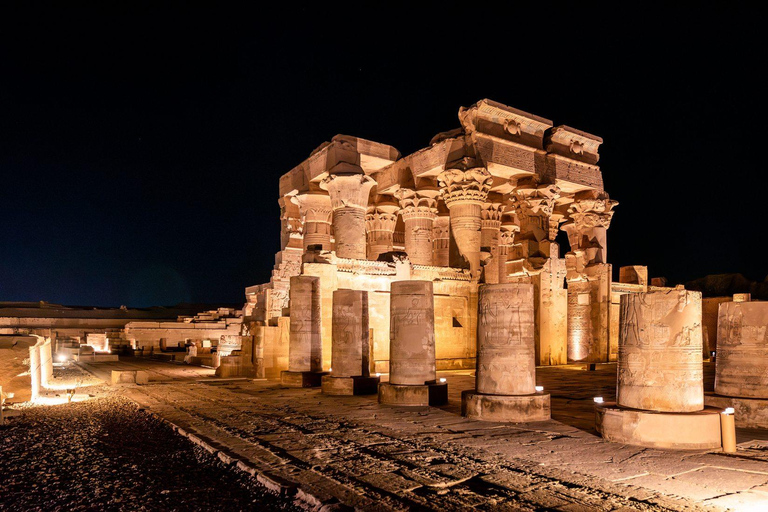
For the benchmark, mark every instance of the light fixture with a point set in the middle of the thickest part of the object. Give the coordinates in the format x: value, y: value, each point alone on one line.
x: 539, y: 389
x: 729, y: 410
x: 443, y: 380
x: 378, y: 374
x: 598, y: 399
x: 61, y: 358
x: 330, y: 369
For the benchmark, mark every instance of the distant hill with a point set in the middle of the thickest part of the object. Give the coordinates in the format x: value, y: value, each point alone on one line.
x: 723, y: 285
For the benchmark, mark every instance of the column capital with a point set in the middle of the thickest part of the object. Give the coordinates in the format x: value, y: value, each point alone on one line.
x: 591, y: 210
x: 535, y: 200
x: 314, y: 206
x: 348, y: 190
x: 416, y: 205
x: 471, y: 185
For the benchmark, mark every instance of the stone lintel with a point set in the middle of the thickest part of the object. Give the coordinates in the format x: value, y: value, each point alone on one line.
x: 502, y: 121
x: 575, y: 144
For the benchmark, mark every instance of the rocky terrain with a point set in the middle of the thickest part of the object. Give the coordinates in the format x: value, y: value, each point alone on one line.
x: 106, y: 454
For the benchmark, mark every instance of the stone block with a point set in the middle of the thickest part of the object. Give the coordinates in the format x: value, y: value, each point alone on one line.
x: 292, y: 379
x: 405, y: 395
x: 349, y: 385
x: 679, y: 431
x: 505, y: 408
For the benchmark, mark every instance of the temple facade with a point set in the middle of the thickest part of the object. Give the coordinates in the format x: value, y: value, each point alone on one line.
x: 482, y: 203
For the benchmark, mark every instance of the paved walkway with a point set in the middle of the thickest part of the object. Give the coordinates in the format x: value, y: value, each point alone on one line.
x: 353, y: 451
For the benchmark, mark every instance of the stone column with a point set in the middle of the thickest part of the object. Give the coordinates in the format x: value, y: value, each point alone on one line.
x: 505, y: 388
x: 305, y: 346
x: 490, y: 227
x: 506, y: 241
x: 660, y: 388
x: 349, y: 199
x: 259, y: 334
x: 315, y: 208
x: 380, y: 224
x: 742, y: 350
x: 660, y: 365
x: 589, y: 277
x: 411, y: 346
x: 419, y: 213
x: 464, y: 193
x: 441, y: 241
x: 34, y: 370
x: 351, y: 347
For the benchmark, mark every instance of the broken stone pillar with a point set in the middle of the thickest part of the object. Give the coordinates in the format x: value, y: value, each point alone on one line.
x: 305, y: 346
x: 351, y: 347
x: 589, y: 277
x: 441, y: 241
x: 419, y: 211
x: 464, y: 193
x: 315, y: 208
x: 412, y: 377
x: 490, y: 235
x: 259, y: 333
x: 741, y: 366
x: 380, y: 224
x: 46, y: 363
x: 34, y: 370
x: 505, y: 388
x: 660, y: 388
x: 349, y: 198
x: 742, y: 350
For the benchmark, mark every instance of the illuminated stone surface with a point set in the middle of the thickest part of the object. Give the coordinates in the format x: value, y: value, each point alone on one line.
x: 351, y: 347
x: 505, y: 388
x: 660, y: 367
x: 305, y: 348
x: 412, y: 333
x: 742, y: 350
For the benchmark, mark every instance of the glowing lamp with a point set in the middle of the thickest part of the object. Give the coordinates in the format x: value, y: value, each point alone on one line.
x: 61, y: 359
x: 378, y: 374
x: 598, y: 399
x: 443, y: 380
x: 729, y: 410
x: 539, y: 389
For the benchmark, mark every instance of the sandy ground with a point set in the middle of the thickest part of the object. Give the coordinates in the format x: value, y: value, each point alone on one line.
x: 106, y: 454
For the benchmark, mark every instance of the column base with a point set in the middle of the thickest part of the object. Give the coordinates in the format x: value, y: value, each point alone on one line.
x: 678, y: 431
x: 413, y: 395
x: 291, y: 379
x: 349, y: 385
x: 505, y: 408
x: 750, y: 412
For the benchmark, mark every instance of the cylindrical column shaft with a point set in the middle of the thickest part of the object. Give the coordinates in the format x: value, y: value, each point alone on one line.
x: 305, y: 345
x: 579, y: 321
x: 418, y: 235
x: 380, y: 226
x: 660, y: 366
x: 350, y: 349
x: 349, y: 232
x: 741, y: 367
x: 349, y: 199
x: 441, y: 241
x: 505, y: 340
x: 412, y: 333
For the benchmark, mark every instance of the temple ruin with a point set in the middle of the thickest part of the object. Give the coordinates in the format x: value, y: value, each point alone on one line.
x: 483, y: 203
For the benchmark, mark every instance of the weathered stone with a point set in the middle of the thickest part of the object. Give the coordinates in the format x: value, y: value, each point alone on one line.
x: 412, y: 333
x: 660, y: 367
x: 305, y: 345
x: 742, y: 350
x: 505, y: 350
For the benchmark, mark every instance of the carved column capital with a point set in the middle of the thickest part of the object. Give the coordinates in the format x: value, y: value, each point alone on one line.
x: 348, y: 190
x: 594, y: 210
x: 465, y: 185
x: 314, y: 206
x: 415, y: 205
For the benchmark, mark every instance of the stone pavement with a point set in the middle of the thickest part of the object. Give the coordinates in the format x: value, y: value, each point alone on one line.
x: 352, y: 451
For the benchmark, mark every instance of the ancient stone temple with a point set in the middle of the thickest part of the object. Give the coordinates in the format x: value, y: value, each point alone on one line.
x: 482, y: 203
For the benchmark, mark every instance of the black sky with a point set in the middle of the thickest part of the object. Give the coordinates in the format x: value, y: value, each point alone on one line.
x: 140, y: 147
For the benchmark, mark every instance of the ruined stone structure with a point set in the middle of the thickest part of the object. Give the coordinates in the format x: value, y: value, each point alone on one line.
x: 505, y: 388
x: 352, y: 351
x: 305, y: 350
x: 483, y: 203
x: 412, y: 377
x: 741, y: 374
x: 660, y: 386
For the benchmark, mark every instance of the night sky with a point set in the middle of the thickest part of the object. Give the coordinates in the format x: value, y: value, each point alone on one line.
x: 140, y: 149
